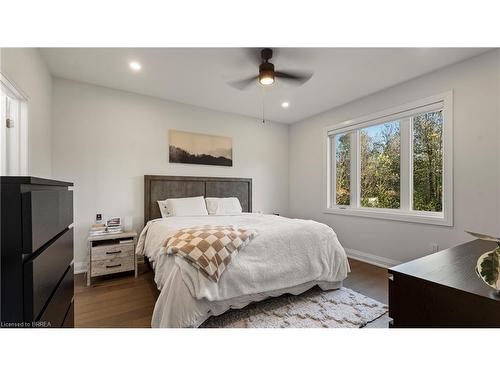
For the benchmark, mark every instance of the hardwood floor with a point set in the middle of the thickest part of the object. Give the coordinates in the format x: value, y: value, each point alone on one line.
x: 123, y: 301
x: 119, y: 301
x: 369, y: 280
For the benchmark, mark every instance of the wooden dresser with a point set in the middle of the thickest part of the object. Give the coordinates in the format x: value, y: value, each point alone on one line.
x: 442, y: 290
x: 36, y: 252
x: 111, y: 253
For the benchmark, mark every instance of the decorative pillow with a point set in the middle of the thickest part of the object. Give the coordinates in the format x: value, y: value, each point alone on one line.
x: 212, y: 204
x: 194, y: 206
x: 223, y: 206
x: 163, y: 208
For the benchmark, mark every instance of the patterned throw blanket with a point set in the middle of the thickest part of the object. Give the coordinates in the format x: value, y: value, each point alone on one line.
x: 209, y: 248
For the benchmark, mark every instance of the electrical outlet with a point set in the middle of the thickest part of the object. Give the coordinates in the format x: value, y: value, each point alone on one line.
x: 435, y: 247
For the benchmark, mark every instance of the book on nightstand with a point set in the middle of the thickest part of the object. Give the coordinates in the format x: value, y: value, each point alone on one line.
x: 115, y: 229
x: 97, y: 229
x: 100, y: 229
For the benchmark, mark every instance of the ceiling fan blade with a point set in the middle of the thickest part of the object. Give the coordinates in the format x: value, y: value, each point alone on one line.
x: 242, y: 84
x: 297, y: 76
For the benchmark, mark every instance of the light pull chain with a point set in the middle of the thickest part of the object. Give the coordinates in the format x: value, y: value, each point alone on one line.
x: 263, y: 106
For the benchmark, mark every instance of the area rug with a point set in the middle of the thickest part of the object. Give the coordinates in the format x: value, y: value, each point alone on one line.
x: 341, y: 308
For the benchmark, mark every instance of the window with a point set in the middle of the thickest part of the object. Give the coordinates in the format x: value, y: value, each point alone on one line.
x: 396, y: 164
x: 343, y: 168
x: 380, y: 165
x: 428, y: 161
x: 13, y: 130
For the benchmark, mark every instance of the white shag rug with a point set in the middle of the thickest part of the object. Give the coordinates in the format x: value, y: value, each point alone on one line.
x: 341, y: 308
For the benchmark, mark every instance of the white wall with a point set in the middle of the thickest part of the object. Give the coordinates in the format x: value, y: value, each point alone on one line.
x: 475, y: 85
x: 27, y: 70
x: 106, y: 140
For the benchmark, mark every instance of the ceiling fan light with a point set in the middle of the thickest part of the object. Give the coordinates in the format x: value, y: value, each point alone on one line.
x: 266, y: 80
x: 266, y: 73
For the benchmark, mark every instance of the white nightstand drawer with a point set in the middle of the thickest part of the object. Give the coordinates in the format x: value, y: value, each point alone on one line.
x: 112, y: 252
x: 106, y: 267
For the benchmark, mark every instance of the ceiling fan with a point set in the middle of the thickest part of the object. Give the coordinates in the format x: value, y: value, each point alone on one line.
x: 268, y: 75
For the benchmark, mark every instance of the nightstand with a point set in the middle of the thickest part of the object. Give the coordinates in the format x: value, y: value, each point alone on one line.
x: 111, y: 253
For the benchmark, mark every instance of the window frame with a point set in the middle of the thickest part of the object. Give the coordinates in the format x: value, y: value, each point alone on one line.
x: 442, y: 101
x: 20, y: 166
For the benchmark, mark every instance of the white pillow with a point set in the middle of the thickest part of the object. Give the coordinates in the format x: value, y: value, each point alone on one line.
x: 194, y: 206
x: 223, y: 206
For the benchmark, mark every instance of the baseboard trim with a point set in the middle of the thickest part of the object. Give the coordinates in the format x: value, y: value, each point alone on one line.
x: 80, y: 267
x: 371, y: 258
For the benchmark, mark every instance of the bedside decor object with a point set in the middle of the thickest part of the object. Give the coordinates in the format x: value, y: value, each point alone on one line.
x: 111, y: 253
x: 197, y: 148
x: 488, y: 264
x: 114, y: 225
x: 114, y: 222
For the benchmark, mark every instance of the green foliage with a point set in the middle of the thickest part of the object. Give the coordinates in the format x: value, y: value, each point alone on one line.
x: 380, y: 152
x: 428, y: 162
x: 343, y: 172
x: 380, y: 166
x: 489, y: 267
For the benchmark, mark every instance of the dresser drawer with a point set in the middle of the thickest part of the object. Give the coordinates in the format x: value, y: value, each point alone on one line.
x: 106, y: 267
x: 46, y: 213
x: 69, y: 320
x: 113, y: 252
x: 59, y: 304
x: 44, y: 272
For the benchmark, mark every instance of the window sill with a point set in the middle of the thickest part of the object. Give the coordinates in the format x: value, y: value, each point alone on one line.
x: 390, y: 214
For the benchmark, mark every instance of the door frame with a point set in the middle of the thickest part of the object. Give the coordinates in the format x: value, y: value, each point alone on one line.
x: 15, y: 93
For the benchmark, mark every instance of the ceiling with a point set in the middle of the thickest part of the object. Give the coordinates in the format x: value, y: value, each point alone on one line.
x: 198, y: 76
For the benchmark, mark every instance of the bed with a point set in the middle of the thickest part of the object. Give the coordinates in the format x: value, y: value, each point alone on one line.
x: 286, y: 256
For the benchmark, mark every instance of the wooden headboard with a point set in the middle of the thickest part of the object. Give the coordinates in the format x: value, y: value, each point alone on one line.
x: 162, y: 187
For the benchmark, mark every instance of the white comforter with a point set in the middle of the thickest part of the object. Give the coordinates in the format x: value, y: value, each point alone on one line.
x: 287, y: 255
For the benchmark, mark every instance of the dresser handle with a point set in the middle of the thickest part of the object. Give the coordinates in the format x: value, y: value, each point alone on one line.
x: 114, y: 266
x: 113, y: 252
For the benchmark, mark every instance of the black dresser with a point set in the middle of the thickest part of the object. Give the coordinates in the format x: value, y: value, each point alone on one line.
x: 442, y: 290
x: 36, y: 253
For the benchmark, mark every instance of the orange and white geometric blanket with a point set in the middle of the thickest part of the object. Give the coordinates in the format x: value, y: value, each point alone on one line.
x: 209, y: 248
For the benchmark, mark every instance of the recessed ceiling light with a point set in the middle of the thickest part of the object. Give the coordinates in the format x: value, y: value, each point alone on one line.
x: 134, y: 65
x: 285, y: 104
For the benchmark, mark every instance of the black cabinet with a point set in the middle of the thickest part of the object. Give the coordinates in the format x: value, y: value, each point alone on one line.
x: 442, y: 290
x: 36, y: 253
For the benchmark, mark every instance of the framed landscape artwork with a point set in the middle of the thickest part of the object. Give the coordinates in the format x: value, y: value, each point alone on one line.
x: 197, y: 148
